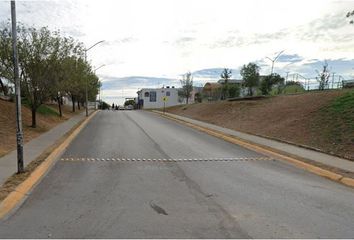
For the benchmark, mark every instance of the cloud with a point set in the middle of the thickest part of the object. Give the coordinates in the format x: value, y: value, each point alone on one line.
x: 229, y: 42
x: 327, y: 28
x: 124, y: 40
x: 182, y: 35
x: 183, y: 41
x: 212, y: 74
x: 290, y: 58
x: 236, y: 39
x: 136, y: 82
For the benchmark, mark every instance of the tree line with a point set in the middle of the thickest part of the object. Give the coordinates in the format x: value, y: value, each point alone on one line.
x: 51, y: 66
x: 251, y: 81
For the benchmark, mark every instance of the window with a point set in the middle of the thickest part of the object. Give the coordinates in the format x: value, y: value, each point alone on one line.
x: 168, y: 94
x: 146, y: 94
x: 152, y: 96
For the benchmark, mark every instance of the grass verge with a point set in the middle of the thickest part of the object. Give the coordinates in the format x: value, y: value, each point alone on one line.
x: 334, y: 124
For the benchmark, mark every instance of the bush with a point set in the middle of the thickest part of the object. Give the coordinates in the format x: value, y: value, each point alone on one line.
x: 198, y: 98
x: 292, y: 83
x: 48, y: 111
x: 234, y: 91
x: 104, y: 105
x: 130, y: 102
x: 269, y: 81
x: 295, y: 88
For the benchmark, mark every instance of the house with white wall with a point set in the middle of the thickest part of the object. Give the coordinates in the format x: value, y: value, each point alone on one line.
x: 149, y: 98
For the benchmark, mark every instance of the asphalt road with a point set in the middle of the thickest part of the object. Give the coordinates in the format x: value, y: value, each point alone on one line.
x: 133, y: 174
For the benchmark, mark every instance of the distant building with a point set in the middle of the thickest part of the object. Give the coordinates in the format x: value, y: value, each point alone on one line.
x: 231, y: 81
x: 193, y: 97
x: 149, y: 98
x: 348, y: 83
x: 212, y: 91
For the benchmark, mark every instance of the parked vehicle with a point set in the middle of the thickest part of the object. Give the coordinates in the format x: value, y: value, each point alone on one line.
x: 129, y: 107
x: 121, y: 108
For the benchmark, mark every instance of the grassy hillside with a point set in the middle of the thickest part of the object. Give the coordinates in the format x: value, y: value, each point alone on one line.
x: 47, y: 118
x: 322, y: 120
x: 334, y: 125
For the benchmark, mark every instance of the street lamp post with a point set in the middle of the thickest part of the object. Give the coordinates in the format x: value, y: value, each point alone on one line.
x: 86, y: 87
x: 99, y: 100
x: 19, y: 132
x: 275, y: 59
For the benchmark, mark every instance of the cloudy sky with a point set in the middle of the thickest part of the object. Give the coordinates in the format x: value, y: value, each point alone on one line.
x: 150, y: 43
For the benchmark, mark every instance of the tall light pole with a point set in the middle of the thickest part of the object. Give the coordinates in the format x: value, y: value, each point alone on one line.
x: 99, y: 99
x: 86, y: 87
x: 99, y: 67
x: 19, y: 132
x: 274, y: 59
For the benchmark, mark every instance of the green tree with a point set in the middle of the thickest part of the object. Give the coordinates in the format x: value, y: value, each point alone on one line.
x: 56, y: 70
x: 234, y: 91
x: 130, y: 102
x: 50, y: 66
x: 225, y: 75
x: 6, y: 65
x: 269, y: 81
x: 103, y: 105
x: 187, y: 86
x: 250, y: 76
x: 198, y: 97
x: 323, y: 76
x: 35, y: 49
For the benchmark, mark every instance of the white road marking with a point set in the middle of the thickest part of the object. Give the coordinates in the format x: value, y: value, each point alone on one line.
x: 228, y: 159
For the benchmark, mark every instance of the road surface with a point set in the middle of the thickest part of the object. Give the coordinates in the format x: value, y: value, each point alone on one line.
x: 133, y: 174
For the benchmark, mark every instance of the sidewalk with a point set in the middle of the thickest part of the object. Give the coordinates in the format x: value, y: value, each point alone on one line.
x: 35, y: 147
x: 319, y: 157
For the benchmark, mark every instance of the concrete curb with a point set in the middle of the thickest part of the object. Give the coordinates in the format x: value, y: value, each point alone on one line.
x: 15, y: 198
x: 266, y: 151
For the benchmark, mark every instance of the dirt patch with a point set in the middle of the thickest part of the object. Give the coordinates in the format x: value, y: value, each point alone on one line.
x: 293, y: 118
x: 8, y: 124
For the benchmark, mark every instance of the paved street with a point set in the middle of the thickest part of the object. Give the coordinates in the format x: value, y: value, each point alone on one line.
x: 133, y: 174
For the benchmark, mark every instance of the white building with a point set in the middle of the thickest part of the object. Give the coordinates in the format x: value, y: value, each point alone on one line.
x: 149, y: 98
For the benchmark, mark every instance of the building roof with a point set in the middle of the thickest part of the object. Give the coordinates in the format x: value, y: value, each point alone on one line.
x: 232, y: 81
x: 211, y: 86
x: 157, y: 89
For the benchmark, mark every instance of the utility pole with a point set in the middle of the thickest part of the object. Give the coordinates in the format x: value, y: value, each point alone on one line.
x: 19, y: 132
x: 287, y: 75
x: 99, y: 96
x: 86, y: 91
x: 86, y: 87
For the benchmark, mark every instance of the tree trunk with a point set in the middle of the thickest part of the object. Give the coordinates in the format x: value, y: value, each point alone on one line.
x: 73, y: 101
x: 59, y: 106
x: 34, y: 122
x: 3, y: 87
x: 78, y: 105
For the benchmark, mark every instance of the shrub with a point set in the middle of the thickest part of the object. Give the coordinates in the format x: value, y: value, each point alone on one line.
x: 234, y: 91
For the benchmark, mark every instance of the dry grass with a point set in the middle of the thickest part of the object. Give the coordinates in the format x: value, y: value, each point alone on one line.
x: 8, y: 124
x: 289, y: 118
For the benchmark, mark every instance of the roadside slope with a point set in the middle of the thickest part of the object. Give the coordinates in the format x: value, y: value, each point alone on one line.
x: 314, y: 119
x: 47, y: 118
